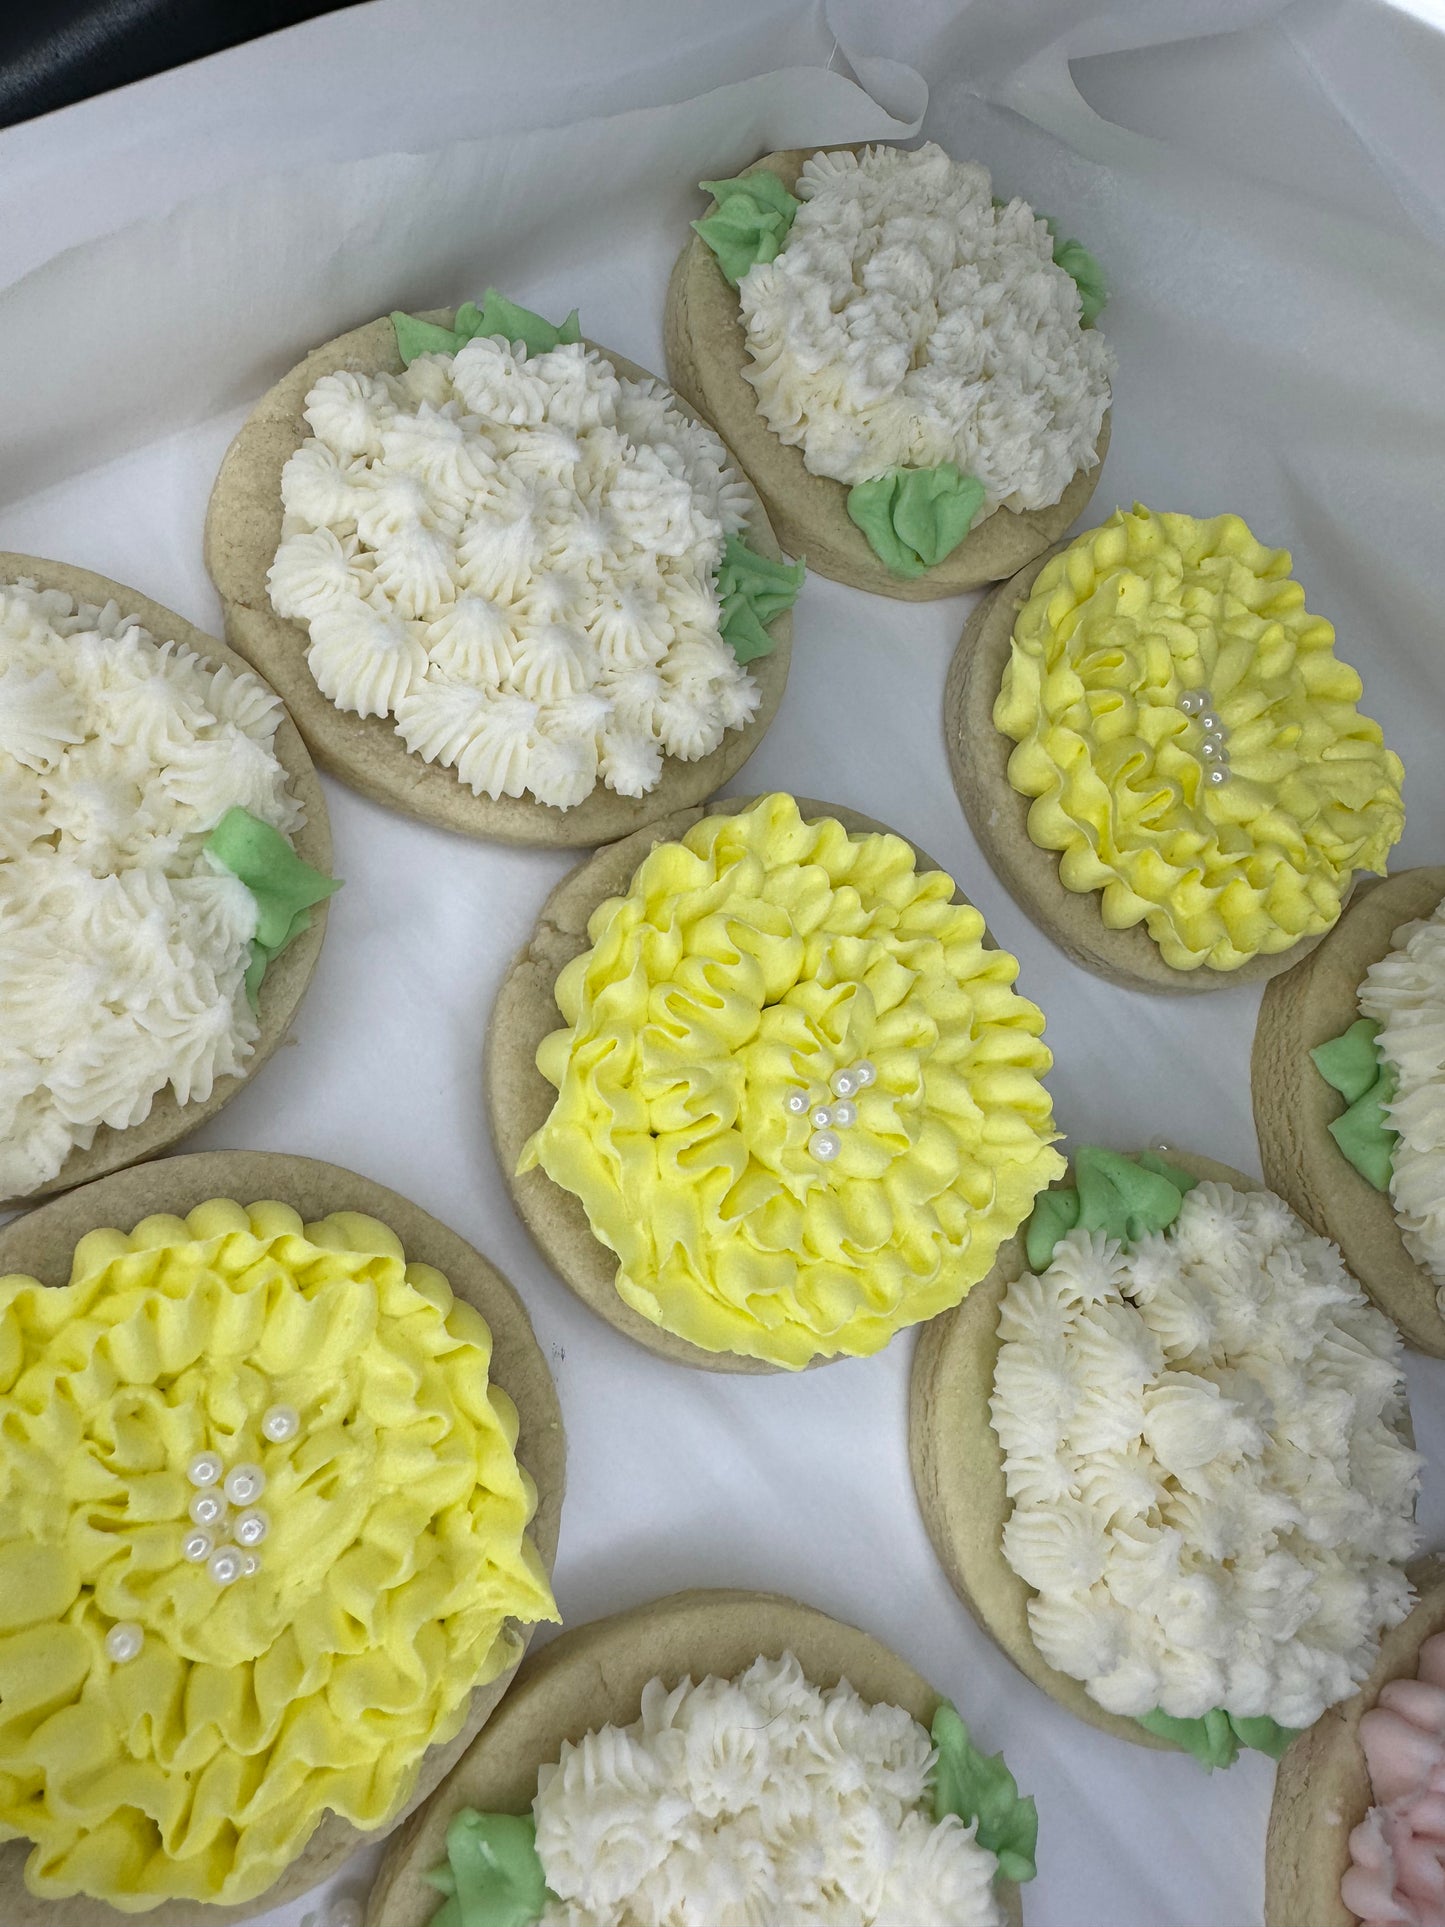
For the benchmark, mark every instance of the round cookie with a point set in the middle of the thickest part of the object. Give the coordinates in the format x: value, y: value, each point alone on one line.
x: 519, y: 1098
x: 1322, y: 1789
x: 243, y: 529
x: 978, y: 758
x: 959, y: 1478
x: 594, y: 1677
x: 285, y: 980
x: 706, y: 355
x: 1294, y: 1106
x: 41, y: 1245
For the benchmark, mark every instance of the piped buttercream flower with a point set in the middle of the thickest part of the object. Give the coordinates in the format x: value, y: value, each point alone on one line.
x: 1191, y: 742
x: 525, y: 522
x: 126, y: 944
x: 797, y: 1095
x: 188, y: 1688
x: 1229, y: 1551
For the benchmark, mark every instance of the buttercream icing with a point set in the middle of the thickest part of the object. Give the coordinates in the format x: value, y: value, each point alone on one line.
x: 914, y: 517
x: 1119, y: 634
x: 513, y: 553
x: 1404, y: 994
x: 746, y: 967
x: 734, y: 1802
x: 909, y: 322
x: 1203, y: 1437
x: 393, y: 1555
x: 749, y: 224
x: 1396, y: 1876
x: 1352, y: 1065
x: 124, y: 946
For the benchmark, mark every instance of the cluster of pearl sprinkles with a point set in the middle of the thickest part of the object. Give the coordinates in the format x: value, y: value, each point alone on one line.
x: 1214, y: 750
x: 828, y: 1119
x: 217, y: 1490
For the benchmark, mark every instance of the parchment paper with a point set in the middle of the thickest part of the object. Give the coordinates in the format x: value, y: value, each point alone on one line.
x: 1265, y: 186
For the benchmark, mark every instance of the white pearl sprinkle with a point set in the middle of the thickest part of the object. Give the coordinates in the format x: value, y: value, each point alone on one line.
x: 796, y: 1102
x: 205, y: 1468
x: 845, y: 1113
x: 224, y: 1565
x: 197, y: 1546
x: 124, y: 1641
x: 1211, y: 724
x: 282, y: 1422
x: 207, y: 1509
x: 345, y: 1912
x: 824, y: 1146
x: 843, y: 1083
x: 251, y: 1528
x: 250, y: 1564
x: 245, y: 1484
x: 865, y: 1073
x: 822, y: 1118
x: 1212, y: 750
x: 1218, y: 776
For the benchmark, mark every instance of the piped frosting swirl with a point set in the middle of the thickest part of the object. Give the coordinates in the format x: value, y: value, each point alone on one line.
x: 1222, y: 858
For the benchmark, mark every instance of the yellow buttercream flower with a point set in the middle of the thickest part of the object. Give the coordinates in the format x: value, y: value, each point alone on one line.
x: 745, y: 966
x: 395, y: 1557
x: 1120, y: 625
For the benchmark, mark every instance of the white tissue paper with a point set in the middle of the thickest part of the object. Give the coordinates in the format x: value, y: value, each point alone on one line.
x: 1265, y: 188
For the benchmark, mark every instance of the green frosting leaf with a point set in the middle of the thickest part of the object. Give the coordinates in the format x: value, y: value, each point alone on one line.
x: 1085, y: 273
x: 1265, y: 1735
x: 979, y: 1787
x: 914, y: 517
x: 496, y: 316
x: 753, y: 590
x: 1352, y: 1064
x: 1125, y: 1198
x: 285, y: 887
x: 493, y: 1877
x: 750, y: 223
x: 1215, y: 1739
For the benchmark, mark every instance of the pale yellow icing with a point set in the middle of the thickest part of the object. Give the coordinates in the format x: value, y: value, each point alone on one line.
x: 746, y: 963
x: 1129, y: 618
x: 395, y: 1562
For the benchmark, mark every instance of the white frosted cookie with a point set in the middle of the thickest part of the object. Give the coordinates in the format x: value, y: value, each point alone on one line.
x: 1106, y: 1440
x: 135, y: 756
x: 500, y: 588
x: 587, y: 1716
x: 1381, y: 965
x: 902, y: 365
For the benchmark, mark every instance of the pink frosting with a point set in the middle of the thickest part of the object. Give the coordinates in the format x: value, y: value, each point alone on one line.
x: 1397, y: 1875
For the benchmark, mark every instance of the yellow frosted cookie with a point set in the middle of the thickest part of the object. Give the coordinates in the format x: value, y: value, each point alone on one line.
x: 797, y: 1094
x: 1189, y: 743
x: 262, y: 1531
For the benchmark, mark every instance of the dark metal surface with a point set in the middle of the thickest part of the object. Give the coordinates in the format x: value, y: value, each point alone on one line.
x: 54, y: 52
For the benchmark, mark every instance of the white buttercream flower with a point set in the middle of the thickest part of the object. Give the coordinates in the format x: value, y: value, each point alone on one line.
x: 1211, y: 1495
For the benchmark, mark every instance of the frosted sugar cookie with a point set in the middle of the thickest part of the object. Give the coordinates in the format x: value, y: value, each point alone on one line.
x: 507, y: 582
x: 283, y: 1484
x: 1349, y: 1095
x: 163, y: 848
x: 763, y: 1090
x: 907, y: 368
x: 1163, y: 1455
x: 1162, y: 757
x: 638, y: 1770
x: 1354, y: 1834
